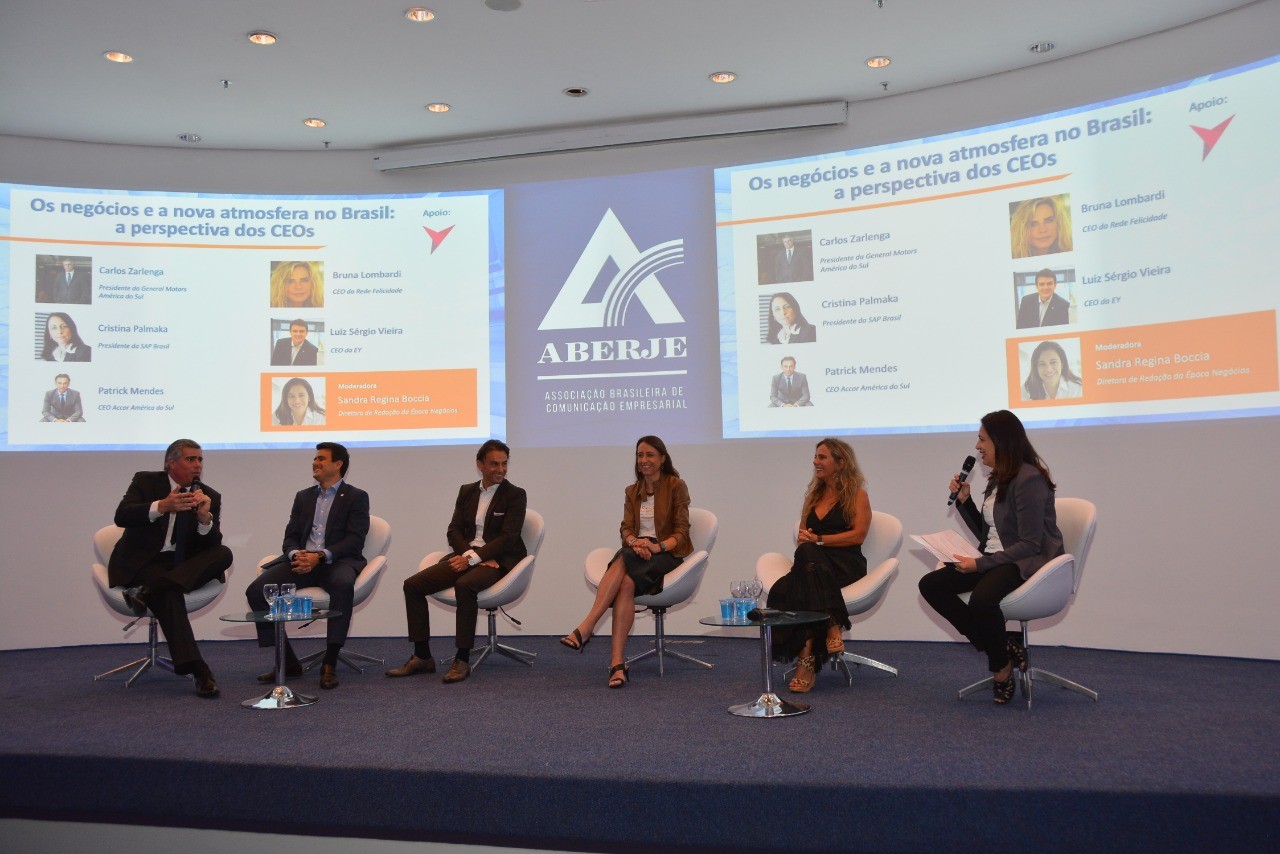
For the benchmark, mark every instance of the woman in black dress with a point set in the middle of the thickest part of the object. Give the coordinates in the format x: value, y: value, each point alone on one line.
x: 834, y: 522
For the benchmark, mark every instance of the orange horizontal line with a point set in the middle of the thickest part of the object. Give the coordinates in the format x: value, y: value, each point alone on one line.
x: 165, y: 245
x: 954, y: 195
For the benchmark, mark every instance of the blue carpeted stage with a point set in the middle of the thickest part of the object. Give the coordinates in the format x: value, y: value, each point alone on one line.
x: 1180, y: 753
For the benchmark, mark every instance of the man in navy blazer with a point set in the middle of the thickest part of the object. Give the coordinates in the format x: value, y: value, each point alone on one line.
x: 480, y: 556
x: 171, y: 545
x: 296, y: 349
x: 1044, y: 307
x: 323, y: 547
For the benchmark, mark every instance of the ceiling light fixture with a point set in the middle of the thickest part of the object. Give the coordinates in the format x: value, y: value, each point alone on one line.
x: 503, y: 5
x: 419, y: 14
x: 117, y: 56
x: 722, y: 77
x: 577, y: 91
x: 1041, y: 47
x: 314, y: 123
x: 878, y: 61
x: 439, y: 107
x: 189, y: 137
x: 262, y: 37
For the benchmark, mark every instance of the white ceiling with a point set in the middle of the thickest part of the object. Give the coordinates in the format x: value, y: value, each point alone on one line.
x: 368, y: 72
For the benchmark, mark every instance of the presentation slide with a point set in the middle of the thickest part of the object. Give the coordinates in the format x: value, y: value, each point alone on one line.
x: 250, y: 321
x: 1102, y: 264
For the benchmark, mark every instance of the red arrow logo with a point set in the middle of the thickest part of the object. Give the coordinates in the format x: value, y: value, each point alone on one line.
x: 437, y: 237
x: 1211, y: 136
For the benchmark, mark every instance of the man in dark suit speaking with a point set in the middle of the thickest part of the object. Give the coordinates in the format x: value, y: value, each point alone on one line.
x: 789, y: 388
x: 63, y: 402
x: 171, y: 545
x: 296, y: 349
x: 484, y: 534
x: 1044, y: 307
x: 324, y: 547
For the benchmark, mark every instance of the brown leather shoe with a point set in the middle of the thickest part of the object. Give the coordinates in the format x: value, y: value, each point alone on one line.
x: 414, y: 666
x: 459, y: 671
x: 328, y: 676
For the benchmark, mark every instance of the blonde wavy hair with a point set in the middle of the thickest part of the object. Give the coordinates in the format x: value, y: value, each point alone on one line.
x: 280, y: 280
x: 1022, y: 216
x: 849, y: 480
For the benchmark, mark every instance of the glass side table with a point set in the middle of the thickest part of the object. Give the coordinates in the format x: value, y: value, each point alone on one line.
x: 768, y: 704
x: 281, y: 696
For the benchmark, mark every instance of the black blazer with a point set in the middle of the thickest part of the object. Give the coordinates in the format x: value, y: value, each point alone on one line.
x: 143, y: 539
x: 1026, y: 521
x: 345, y: 529
x: 502, y: 523
x: 283, y: 350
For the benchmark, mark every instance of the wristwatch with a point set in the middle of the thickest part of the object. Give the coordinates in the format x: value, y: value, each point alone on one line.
x: 819, y: 540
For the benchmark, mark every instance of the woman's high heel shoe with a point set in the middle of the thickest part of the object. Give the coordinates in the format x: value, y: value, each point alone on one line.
x: 1003, y: 689
x: 579, y: 643
x: 835, y: 640
x: 1017, y: 652
x: 802, y: 682
x: 618, y: 676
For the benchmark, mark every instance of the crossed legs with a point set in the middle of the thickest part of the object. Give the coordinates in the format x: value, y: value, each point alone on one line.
x: 616, y: 591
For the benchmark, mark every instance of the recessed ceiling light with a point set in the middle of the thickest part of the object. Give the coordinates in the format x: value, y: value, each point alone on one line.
x: 439, y: 107
x: 117, y: 56
x: 419, y: 14
x: 1041, y: 47
x: 262, y: 37
x: 722, y: 77
x: 313, y: 123
x: 878, y: 61
x: 577, y: 91
x: 189, y: 137
x: 503, y: 5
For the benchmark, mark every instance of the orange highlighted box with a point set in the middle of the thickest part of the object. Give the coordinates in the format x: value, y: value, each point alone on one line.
x: 1208, y: 357
x: 382, y: 400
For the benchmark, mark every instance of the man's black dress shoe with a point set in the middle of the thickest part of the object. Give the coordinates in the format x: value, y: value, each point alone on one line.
x: 414, y: 666
x: 291, y: 671
x: 133, y: 598
x: 328, y: 676
x: 205, y: 685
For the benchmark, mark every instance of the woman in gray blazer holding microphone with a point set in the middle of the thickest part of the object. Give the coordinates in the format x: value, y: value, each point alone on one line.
x: 1017, y: 531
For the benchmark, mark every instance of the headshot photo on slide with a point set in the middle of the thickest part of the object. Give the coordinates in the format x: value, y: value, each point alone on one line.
x: 299, y: 402
x: 784, y: 257
x: 1051, y: 369
x: 782, y: 321
x: 1040, y: 226
x: 297, y: 284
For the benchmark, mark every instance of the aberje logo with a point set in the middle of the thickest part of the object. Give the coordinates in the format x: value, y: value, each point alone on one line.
x: 636, y: 280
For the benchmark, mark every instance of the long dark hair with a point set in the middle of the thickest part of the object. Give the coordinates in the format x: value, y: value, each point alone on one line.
x: 50, y: 345
x: 774, y: 326
x: 658, y: 445
x: 1013, y: 448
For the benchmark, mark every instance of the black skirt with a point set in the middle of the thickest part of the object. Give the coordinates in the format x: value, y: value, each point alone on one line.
x: 813, y: 584
x: 646, y: 574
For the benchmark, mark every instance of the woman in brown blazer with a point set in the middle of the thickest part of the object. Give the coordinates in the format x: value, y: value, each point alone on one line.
x: 655, y: 539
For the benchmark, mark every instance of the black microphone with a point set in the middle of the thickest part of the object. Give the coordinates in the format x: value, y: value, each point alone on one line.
x: 964, y: 475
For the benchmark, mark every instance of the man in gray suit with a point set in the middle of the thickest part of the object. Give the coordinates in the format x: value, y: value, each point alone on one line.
x: 63, y: 402
x: 789, y: 388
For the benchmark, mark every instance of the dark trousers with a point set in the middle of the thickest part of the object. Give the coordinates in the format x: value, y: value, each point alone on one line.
x: 338, y: 580
x: 467, y: 584
x: 168, y: 581
x: 981, y: 620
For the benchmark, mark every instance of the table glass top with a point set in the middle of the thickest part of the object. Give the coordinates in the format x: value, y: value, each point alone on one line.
x: 265, y: 617
x: 785, y: 618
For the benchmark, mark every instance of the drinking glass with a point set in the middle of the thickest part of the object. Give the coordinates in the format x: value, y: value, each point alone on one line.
x: 754, y: 588
x: 736, y: 589
x: 288, y: 592
x: 270, y: 592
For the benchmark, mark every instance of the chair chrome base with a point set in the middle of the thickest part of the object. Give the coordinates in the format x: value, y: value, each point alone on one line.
x: 346, y: 656
x: 1025, y: 682
x: 769, y: 706
x: 523, y: 656
x: 280, y: 697
x: 151, y: 659
x: 844, y: 659
x: 660, y: 645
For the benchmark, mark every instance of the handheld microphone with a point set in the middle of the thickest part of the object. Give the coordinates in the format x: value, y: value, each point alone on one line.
x: 964, y: 475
